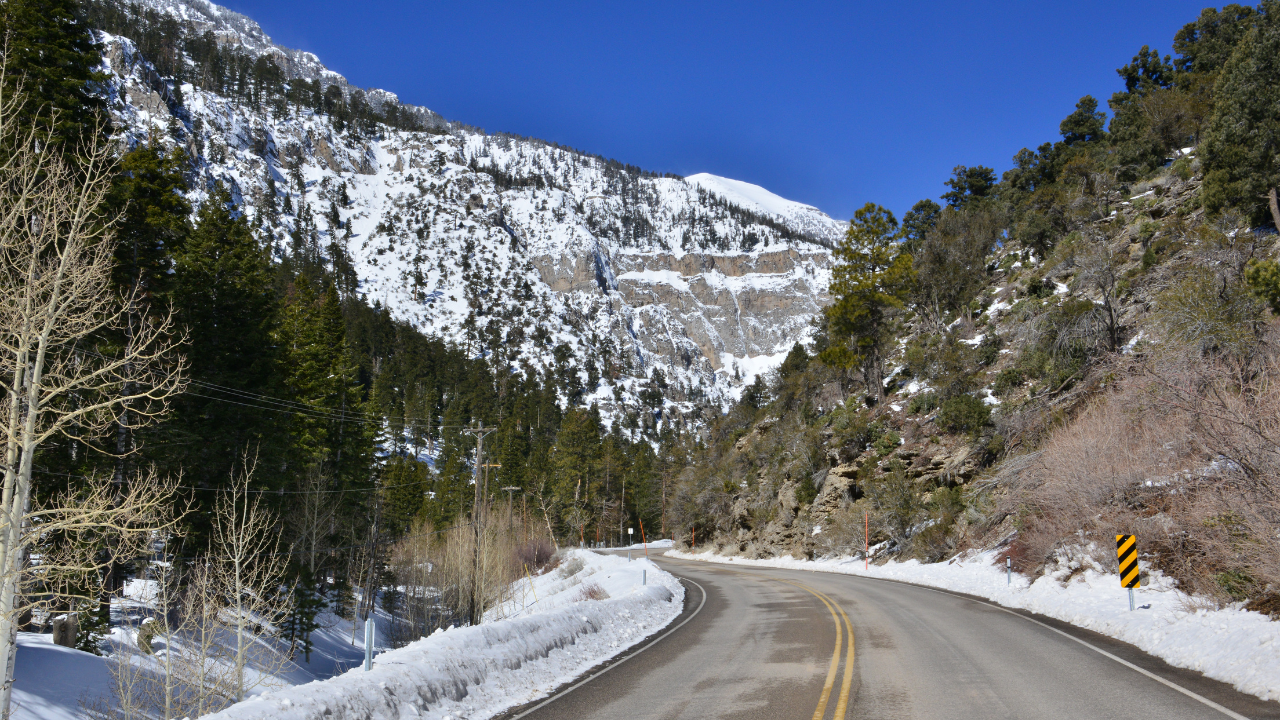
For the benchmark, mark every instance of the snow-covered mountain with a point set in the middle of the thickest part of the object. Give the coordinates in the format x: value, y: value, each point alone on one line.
x: 546, y: 257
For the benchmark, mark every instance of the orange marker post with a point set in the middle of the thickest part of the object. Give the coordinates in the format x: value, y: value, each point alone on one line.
x: 642, y: 540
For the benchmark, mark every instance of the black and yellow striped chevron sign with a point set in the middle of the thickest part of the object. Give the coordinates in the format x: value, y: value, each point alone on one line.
x: 1127, y: 551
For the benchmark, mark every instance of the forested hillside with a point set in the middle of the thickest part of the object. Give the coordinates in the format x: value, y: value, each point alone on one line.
x: 1081, y: 347
x: 298, y: 304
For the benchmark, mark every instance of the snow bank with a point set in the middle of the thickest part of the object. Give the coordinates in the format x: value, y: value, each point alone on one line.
x: 1231, y: 645
x: 480, y: 671
x: 50, y: 681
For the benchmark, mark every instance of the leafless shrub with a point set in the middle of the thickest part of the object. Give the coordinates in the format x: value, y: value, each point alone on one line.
x: 590, y: 591
x: 1184, y: 452
x: 842, y: 532
x: 448, y: 577
x: 534, y: 553
x: 571, y: 568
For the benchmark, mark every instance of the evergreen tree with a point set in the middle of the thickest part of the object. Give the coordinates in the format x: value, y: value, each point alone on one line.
x: 1085, y: 124
x: 968, y: 185
x: 224, y: 299
x: 154, y: 219
x: 51, y: 55
x: 576, y: 459
x: 919, y: 220
x: 333, y: 433
x: 1241, y: 149
x: 1205, y: 45
x: 871, y: 279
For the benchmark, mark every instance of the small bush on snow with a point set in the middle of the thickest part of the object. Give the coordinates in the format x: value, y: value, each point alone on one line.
x: 591, y: 591
x: 571, y: 568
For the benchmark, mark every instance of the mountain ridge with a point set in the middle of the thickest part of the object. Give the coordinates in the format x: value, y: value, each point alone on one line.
x: 542, y: 257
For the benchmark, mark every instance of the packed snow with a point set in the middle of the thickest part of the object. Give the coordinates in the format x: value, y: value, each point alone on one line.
x: 554, y: 627
x: 1228, y: 644
x: 545, y: 639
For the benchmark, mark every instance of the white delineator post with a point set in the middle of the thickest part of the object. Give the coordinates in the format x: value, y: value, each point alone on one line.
x: 368, y: 642
x: 1008, y: 571
x: 630, y: 532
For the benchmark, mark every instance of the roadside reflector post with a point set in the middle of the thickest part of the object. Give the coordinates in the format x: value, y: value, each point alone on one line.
x: 1127, y: 555
x: 630, y: 532
x: 368, y: 641
x: 644, y: 577
x: 866, y: 541
x: 1008, y: 571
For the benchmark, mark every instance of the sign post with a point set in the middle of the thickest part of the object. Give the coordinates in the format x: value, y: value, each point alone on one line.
x: 1127, y: 554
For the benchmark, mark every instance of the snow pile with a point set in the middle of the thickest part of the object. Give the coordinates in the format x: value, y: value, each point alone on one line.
x: 1231, y: 645
x: 479, y: 671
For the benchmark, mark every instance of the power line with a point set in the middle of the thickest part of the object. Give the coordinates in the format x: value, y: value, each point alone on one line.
x: 260, y: 492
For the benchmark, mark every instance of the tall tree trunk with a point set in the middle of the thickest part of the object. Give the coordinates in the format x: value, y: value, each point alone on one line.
x: 1275, y: 207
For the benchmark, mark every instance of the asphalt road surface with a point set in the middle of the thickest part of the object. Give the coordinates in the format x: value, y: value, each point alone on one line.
x: 779, y: 644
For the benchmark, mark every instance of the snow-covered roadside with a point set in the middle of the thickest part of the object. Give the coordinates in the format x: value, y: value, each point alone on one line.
x: 1232, y: 645
x: 477, y: 672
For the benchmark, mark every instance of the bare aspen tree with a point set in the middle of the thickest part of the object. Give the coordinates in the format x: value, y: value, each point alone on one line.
x: 313, y: 519
x: 250, y: 570
x: 55, y: 298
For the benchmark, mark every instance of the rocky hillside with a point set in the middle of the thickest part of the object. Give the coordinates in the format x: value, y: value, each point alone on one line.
x: 655, y: 297
x: 1084, y: 347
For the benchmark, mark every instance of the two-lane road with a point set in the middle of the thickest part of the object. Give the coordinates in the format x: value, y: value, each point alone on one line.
x: 778, y: 644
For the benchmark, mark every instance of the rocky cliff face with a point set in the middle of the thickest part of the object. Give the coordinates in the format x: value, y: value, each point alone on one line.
x: 541, y: 256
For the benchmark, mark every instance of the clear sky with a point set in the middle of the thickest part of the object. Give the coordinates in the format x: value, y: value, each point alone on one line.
x: 829, y: 103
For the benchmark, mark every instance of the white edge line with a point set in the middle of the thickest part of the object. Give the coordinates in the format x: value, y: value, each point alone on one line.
x: 1193, y: 695
x: 589, y: 678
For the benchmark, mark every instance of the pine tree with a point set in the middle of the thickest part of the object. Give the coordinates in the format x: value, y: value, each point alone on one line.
x: 1085, y: 124
x: 968, y: 185
x: 52, y: 56
x: 154, y: 219
x: 918, y: 221
x: 1241, y: 149
x: 872, y: 278
x: 224, y: 299
x: 321, y: 376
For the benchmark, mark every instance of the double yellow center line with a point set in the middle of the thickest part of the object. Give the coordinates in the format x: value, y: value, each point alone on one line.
x: 842, y: 702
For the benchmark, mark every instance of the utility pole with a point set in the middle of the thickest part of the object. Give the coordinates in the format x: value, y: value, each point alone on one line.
x: 475, y: 603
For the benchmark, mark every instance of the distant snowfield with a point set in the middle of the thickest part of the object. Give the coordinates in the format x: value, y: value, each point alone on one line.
x: 1231, y: 645
x: 748, y: 196
x: 545, y: 635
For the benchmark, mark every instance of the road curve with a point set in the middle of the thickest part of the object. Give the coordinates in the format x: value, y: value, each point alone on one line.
x: 778, y: 644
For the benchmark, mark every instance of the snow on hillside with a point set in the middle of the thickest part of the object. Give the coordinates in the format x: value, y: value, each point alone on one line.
x: 1229, y: 644
x: 545, y: 258
x: 757, y: 199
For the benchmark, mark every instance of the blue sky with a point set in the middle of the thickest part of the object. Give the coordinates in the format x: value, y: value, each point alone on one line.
x: 833, y: 104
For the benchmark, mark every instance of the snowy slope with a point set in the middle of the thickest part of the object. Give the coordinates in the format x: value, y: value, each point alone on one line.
x: 757, y: 199
x: 510, y: 246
